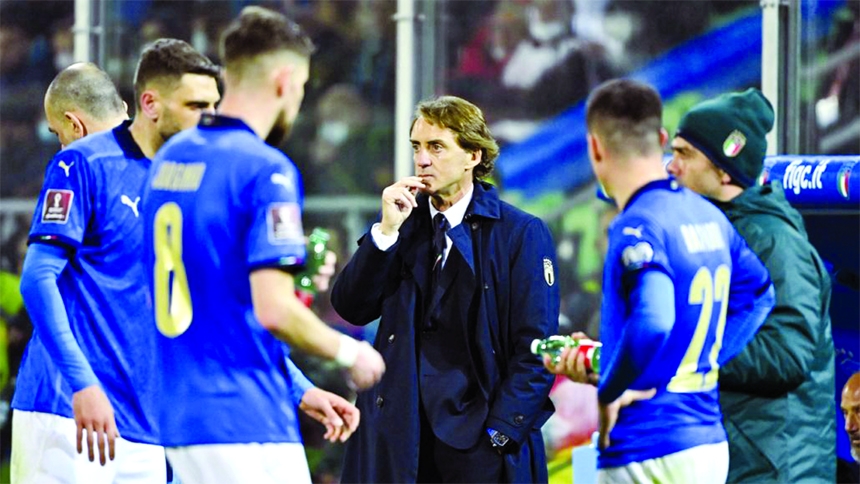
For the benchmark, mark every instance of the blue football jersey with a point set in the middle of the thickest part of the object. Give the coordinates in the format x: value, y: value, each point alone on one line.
x: 717, y: 282
x: 219, y: 204
x: 90, y: 203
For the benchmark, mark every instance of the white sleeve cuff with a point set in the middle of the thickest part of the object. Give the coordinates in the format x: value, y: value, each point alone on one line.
x: 383, y: 242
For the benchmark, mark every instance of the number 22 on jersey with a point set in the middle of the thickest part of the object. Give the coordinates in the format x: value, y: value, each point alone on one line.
x: 173, y: 312
x: 705, y: 290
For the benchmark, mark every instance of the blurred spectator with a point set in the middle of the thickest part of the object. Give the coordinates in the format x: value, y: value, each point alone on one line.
x: 838, y: 102
x: 63, y: 44
x: 482, y: 58
x: 549, y: 39
x: 349, y: 151
x: 376, y: 32
x: 24, y: 150
x: 527, y: 54
x: 649, y: 28
x: 331, y: 26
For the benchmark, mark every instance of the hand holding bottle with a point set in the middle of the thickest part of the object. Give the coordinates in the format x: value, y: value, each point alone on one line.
x: 575, y: 356
x: 319, y: 262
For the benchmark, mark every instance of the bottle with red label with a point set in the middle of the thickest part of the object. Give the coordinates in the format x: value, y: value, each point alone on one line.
x: 306, y: 290
x: 554, y: 345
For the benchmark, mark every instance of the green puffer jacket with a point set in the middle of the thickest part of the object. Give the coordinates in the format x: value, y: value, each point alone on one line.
x: 778, y: 395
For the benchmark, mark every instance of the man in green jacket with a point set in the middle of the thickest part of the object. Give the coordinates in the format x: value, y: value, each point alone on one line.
x: 777, y: 395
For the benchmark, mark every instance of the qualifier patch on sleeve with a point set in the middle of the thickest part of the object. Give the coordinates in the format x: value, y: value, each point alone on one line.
x: 284, y: 222
x: 58, y: 204
x: 637, y: 256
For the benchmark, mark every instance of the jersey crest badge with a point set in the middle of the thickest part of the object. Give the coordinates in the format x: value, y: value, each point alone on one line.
x: 57, y: 205
x: 548, y: 272
x: 284, y: 223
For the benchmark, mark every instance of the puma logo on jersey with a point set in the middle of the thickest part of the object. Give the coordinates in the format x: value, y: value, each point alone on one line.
x: 283, y: 180
x: 634, y: 231
x: 132, y: 205
x: 62, y: 164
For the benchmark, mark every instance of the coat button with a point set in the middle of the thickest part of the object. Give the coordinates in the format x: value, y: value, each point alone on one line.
x: 391, y: 339
x: 474, y: 225
x: 517, y: 420
x: 486, y: 287
x: 379, y: 402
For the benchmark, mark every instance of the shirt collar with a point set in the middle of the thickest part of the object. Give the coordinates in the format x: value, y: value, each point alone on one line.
x: 218, y: 121
x: 665, y: 184
x: 456, y: 212
x: 126, y: 141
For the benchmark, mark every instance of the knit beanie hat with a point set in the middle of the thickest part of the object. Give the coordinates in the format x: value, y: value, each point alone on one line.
x: 730, y: 130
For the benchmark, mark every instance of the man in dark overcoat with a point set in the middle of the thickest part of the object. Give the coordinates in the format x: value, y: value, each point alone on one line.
x: 461, y: 283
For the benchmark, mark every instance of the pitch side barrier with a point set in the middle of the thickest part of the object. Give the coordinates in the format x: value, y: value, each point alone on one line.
x: 826, y: 191
x: 823, y: 182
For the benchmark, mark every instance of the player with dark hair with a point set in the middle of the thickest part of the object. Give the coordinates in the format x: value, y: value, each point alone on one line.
x: 682, y: 294
x: 89, y: 370
x: 224, y: 237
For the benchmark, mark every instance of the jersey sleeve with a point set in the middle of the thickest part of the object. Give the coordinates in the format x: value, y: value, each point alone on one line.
x: 64, y: 207
x: 276, y: 238
x: 640, y: 246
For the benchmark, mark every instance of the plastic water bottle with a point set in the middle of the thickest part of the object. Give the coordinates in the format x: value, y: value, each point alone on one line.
x: 306, y: 290
x: 554, y: 345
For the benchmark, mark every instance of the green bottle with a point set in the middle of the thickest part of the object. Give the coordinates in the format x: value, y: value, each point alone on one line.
x: 554, y: 345
x: 317, y: 247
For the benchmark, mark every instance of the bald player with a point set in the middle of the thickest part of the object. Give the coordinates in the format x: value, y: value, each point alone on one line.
x: 851, y: 412
x: 88, y: 372
x: 82, y: 100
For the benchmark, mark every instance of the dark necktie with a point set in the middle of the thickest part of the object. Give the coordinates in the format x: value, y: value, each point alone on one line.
x: 440, y: 227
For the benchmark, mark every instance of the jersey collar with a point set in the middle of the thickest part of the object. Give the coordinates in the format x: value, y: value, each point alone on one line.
x: 666, y: 184
x: 217, y: 121
x: 126, y: 142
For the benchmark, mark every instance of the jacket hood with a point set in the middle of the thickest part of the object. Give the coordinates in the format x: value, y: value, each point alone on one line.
x: 763, y: 200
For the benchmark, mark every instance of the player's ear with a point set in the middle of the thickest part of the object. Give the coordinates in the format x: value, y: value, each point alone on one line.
x: 281, y: 77
x: 664, y: 137
x: 595, y: 148
x: 150, y: 104
x: 79, y: 128
x: 725, y: 178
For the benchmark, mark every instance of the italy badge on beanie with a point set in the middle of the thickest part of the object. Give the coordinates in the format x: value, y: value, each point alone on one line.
x: 731, y: 131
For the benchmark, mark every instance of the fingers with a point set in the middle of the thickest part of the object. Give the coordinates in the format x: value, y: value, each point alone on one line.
x: 90, y: 444
x: 80, y: 438
x: 402, y: 193
x: 112, y: 436
x: 331, y: 416
x: 101, y: 438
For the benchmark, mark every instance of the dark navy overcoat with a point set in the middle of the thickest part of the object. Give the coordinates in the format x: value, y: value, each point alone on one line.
x: 508, y: 277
